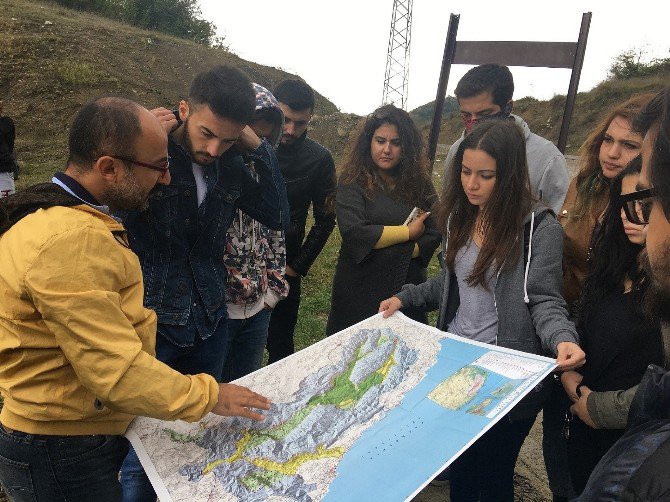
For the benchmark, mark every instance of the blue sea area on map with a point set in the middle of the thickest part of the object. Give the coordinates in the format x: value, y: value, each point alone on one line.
x: 415, y: 439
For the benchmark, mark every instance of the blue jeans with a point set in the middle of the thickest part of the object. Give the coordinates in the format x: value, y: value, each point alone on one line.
x: 60, y: 468
x: 246, y: 343
x: 205, y: 356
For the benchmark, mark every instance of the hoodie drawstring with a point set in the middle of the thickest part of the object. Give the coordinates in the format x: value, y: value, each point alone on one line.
x: 530, y: 252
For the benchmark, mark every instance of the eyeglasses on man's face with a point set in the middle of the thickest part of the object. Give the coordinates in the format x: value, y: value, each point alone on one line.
x: 163, y: 168
x: 637, y: 205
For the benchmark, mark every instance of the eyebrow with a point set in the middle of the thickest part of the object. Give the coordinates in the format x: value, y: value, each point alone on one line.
x: 208, y: 131
x: 479, y: 170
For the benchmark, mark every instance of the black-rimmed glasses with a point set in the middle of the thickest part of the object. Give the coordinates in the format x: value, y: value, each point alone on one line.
x: 163, y: 169
x: 637, y: 205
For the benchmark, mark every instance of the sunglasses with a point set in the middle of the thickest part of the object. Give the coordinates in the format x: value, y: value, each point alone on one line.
x: 163, y: 169
x: 637, y: 205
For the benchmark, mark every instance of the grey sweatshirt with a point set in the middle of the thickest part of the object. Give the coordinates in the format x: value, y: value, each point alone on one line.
x: 532, y: 315
x: 547, y: 169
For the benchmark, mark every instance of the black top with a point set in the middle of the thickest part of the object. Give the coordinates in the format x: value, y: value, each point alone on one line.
x: 7, y: 136
x: 365, y: 276
x: 619, y: 343
x: 309, y: 172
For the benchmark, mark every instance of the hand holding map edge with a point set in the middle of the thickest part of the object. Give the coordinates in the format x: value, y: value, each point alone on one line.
x: 570, y: 356
x: 389, y: 306
x: 237, y: 401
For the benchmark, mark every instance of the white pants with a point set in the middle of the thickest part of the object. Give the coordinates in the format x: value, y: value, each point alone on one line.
x: 6, y: 184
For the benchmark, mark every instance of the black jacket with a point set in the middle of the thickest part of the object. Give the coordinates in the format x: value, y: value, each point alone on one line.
x: 635, y: 469
x: 309, y: 172
x: 7, y: 136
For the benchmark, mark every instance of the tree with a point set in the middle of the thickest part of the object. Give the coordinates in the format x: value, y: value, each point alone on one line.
x: 180, y: 18
x: 631, y: 64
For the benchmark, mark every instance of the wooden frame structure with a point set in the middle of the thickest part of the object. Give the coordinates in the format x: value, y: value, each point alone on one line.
x: 531, y: 54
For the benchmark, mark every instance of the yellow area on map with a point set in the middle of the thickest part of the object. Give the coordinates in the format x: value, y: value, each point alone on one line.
x: 388, y: 364
x: 241, y: 444
x: 290, y: 467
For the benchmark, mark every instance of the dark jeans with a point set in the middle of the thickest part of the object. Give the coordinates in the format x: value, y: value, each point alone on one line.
x: 246, y: 343
x: 554, y: 446
x: 205, y: 356
x: 282, y: 323
x: 586, y: 447
x: 485, y: 471
x: 61, y: 468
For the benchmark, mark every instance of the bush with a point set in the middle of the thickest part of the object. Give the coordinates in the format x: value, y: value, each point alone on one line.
x: 630, y: 64
x: 180, y: 18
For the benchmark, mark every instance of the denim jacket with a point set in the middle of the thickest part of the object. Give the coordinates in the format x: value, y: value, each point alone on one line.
x: 181, y: 245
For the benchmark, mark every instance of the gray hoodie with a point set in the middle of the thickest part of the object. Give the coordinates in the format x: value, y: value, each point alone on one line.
x: 547, y: 169
x: 532, y: 315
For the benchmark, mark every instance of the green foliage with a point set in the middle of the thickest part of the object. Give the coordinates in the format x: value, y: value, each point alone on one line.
x: 631, y: 64
x: 84, y: 74
x: 181, y: 18
x: 175, y: 17
x: 423, y: 115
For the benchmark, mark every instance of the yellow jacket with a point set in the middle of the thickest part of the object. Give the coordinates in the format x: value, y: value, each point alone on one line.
x: 76, y: 343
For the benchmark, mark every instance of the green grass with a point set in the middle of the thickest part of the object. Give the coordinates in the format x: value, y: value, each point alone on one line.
x: 83, y: 74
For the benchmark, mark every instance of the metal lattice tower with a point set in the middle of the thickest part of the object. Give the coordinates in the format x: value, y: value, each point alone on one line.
x: 397, y: 59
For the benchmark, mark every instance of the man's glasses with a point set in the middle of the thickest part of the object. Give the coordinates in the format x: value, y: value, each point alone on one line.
x: 163, y: 169
x: 637, y: 205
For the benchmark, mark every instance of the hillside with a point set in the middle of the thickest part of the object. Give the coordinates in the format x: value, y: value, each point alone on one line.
x: 53, y: 60
x: 544, y: 117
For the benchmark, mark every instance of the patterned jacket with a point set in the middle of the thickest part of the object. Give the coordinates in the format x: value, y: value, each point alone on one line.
x: 255, y: 256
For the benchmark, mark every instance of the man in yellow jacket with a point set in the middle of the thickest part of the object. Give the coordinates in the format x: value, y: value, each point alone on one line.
x: 76, y: 343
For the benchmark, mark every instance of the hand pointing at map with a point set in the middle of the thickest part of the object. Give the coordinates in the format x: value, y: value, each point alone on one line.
x: 237, y: 401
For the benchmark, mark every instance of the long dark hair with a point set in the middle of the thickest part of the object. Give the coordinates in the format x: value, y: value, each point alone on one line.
x: 506, y: 209
x: 614, y: 256
x: 412, y: 175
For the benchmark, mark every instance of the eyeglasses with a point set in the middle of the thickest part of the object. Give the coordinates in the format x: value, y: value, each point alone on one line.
x: 637, y: 205
x: 162, y: 169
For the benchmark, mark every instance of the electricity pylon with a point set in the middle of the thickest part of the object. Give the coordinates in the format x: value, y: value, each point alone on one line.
x: 397, y: 59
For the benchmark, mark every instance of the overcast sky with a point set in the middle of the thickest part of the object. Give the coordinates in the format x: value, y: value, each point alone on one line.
x: 339, y: 46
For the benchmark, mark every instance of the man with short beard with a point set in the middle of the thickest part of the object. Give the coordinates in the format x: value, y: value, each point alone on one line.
x: 180, y: 240
x: 636, y: 467
x: 76, y: 343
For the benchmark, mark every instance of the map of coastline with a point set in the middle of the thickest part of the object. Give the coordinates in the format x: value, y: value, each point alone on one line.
x: 345, y: 411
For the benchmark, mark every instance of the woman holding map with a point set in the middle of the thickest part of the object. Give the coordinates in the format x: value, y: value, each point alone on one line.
x: 384, y: 181
x: 501, y: 285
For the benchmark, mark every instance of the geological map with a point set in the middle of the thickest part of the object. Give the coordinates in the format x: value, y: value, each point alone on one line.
x: 375, y: 410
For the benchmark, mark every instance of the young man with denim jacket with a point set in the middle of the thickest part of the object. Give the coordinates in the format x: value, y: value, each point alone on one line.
x: 180, y: 239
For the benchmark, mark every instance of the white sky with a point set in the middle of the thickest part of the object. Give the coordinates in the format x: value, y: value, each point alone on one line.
x: 339, y: 46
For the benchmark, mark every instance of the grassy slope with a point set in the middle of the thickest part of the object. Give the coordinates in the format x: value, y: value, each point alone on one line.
x: 48, y: 71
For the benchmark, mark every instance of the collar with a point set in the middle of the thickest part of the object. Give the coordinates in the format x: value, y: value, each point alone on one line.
x: 295, y: 146
x: 73, y: 187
